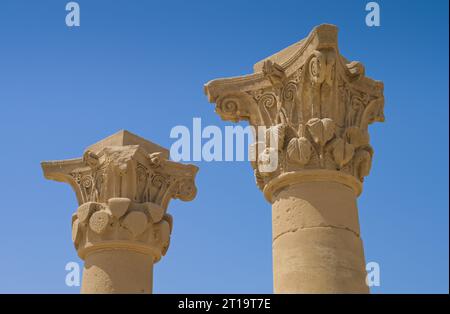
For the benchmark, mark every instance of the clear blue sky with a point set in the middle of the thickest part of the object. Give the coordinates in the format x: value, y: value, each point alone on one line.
x: 141, y: 66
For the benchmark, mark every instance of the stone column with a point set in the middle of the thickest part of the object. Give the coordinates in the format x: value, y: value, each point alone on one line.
x: 311, y: 109
x: 121, y: 228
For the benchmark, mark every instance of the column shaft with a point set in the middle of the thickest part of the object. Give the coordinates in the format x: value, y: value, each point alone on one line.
x: 117, y: 271
x: 316, y: 242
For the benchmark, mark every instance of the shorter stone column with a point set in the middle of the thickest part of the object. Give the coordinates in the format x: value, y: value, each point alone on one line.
x: 123, y: 185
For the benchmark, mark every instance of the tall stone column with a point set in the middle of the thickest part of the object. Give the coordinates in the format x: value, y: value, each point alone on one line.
x: 314, y: 107
x: 123, y: 185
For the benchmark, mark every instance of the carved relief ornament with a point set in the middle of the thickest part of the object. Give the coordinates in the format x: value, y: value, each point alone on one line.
x: 123, y: 193
x: 318, y: 103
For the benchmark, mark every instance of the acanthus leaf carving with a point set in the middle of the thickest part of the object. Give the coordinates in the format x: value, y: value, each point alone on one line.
x: 103, y: 225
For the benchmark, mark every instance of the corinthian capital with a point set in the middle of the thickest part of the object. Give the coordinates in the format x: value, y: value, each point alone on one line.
x: 123, y: 186
x: 316, y: 101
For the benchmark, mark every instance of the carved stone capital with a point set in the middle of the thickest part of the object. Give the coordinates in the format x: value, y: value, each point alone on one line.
x: 123, y: 186
x: 317, y: 103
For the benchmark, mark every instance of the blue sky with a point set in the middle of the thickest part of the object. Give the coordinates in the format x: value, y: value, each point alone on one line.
x: 141, y: 66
